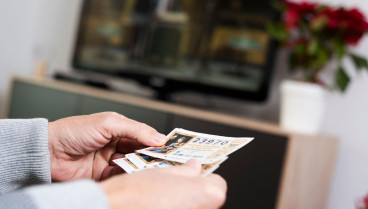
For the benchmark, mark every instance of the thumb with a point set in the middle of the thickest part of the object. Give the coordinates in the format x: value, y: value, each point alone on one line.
x: 194, y: 164
x: 191, y: 168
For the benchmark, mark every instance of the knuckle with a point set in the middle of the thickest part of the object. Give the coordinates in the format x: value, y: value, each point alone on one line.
x: 108, y: 118
x: 111, y: 115
x: 215, y: 195
x: 220, y: 180
x: 114, y: 114
x: 221, y: 199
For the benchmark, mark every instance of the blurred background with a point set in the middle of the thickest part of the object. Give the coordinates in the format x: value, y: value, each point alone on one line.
x: 37, y: 32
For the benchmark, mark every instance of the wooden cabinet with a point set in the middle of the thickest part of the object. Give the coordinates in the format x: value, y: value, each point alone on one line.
x: 279, y: 169
x: 30, y: 101
x: 156, y: 119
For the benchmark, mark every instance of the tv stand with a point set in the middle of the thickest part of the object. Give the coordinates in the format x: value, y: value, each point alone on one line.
x: 81, y: 80
x: 160, y: 93
x: 163, y: 95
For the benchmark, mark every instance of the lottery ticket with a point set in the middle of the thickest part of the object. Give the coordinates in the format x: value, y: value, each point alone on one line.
x: 143, y: 161
x: 127, y: 165
x: 210, y: 168
x: 130, y: 166
x: 206, y: 170
x: 182, y: 145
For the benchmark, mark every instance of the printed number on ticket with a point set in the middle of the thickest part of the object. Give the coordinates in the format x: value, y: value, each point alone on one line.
x: 182, y: 145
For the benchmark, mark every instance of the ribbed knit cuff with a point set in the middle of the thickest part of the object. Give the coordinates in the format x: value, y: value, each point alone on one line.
x: 24, y: 153
x: 72, y: 195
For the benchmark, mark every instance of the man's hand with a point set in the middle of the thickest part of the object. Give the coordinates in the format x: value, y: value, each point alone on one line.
x: 179, y: 187
x: 83, y: 146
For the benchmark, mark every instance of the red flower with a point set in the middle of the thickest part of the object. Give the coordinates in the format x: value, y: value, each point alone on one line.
x: 294, y: 12
x: 362, y: 203
x: 365, y: 201
x: 300, y: 41
x: 351, y: 24
x: 291, y: 19
x: 302, y: 7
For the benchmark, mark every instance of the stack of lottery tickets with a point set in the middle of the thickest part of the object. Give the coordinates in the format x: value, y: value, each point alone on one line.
x: 182, y: 145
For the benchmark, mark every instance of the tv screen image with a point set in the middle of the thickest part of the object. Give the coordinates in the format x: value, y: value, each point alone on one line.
x: 212, y: 46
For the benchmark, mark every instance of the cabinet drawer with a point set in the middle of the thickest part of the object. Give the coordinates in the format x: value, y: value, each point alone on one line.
x: 30, y: 101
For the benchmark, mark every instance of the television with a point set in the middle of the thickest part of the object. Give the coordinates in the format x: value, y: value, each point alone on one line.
x: 216, y: 47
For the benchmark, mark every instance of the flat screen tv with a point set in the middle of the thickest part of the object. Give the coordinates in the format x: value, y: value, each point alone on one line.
x: 213, y: 46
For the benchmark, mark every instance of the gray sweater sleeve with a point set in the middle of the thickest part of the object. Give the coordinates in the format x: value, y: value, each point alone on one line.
x: 25, y: 161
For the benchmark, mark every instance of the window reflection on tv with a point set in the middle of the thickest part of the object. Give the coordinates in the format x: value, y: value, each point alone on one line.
x: 219, y: 43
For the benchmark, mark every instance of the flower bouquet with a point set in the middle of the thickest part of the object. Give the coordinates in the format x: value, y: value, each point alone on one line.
x: 316, y: 34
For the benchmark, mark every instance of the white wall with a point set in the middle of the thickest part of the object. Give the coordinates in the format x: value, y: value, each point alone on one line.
x: 32, y: 28
x: 347, y: 118
x: 16, y: 20
x: 56, y: 28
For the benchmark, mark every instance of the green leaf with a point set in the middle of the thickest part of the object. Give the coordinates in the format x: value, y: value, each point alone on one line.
x: 339, y: 47
x: 359, y: 62
x: 320, y: 58
x: 320, y: 8
x: 323, y: 55
x: 318, y: 24
x: 342, y: 79
x: 277, y: 31
x: 313, y: 47
x: 280, y: 6
x: 300, y: 49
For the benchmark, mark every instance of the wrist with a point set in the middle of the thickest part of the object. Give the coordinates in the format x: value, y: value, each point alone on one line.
x: 70, y: 195
x: 52, y: 134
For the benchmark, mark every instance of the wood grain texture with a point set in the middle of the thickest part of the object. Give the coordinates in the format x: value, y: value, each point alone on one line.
x: 307, y: 172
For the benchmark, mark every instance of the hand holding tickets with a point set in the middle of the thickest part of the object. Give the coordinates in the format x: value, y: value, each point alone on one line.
x: 182, y: 145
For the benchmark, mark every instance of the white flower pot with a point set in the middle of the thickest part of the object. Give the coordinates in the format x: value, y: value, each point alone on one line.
x: 302, y: 106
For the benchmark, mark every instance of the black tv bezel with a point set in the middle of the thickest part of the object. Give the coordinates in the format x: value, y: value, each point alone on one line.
x: 173, y: 85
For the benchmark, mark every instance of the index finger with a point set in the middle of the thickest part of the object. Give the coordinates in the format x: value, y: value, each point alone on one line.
x: 120, y: 126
